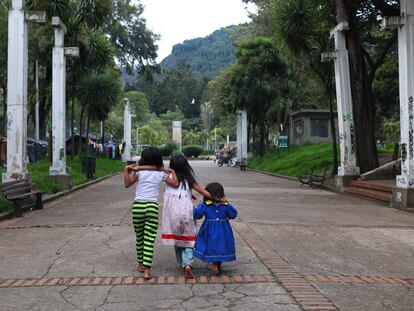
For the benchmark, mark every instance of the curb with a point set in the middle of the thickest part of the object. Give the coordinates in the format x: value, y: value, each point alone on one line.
x: 291, y: 178
x: 58, y: 195
x: 53, y: 197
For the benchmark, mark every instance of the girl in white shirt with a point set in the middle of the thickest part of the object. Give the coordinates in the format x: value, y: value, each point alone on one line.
x: 145, y: 206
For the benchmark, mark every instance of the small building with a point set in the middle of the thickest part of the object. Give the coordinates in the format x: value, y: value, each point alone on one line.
x: 311, y: 126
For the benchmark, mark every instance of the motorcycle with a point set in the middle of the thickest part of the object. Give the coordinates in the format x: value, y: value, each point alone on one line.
x: 229, y: 160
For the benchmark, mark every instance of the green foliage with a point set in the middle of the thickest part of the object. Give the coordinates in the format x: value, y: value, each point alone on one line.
x: 153, y: 133
x: 295, y: 161
x: 392, y: 131
x: 192, y: 151
x: 99, y: 93
x: 139, y: 105
x: 206, y: 56
x: 168, y: 149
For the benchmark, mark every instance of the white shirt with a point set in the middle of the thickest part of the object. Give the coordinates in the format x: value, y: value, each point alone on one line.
x: 148, y: 185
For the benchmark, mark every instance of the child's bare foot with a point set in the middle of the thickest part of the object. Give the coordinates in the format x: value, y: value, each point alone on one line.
x: 140, y: 267
x: 215, y: 268
x: 147, y: 274
x: 189, y: 272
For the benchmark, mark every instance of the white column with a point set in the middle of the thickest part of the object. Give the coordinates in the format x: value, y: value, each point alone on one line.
x: 239, y: 135
x: 348, y: 165
x: 126, y: 154
x: 58, y: 167
x: 16, y: 94
x: 406, y: 71
x: 244, y: 142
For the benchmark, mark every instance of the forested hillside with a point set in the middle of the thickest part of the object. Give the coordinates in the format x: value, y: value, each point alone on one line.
x: 207, y: 56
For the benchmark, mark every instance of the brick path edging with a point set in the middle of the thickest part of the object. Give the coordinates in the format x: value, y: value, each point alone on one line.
x: 131, y: 280
x: 301, y: 290
x: 359, y: 279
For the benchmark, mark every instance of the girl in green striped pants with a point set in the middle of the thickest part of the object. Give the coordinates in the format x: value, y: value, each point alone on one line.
x: 148, y: 176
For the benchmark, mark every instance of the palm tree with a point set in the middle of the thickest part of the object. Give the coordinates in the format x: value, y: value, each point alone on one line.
x: 98, y: 93
x: 297, y: 16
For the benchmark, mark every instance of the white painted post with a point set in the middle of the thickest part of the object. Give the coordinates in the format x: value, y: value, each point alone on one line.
x: 177, y: 134
x: 239, y: 135
x: 59, y: 103
x: 17, y: 65
x: 403, y: 193
x: 59, y: 167
x: 244, y: 142
x: 59, y: 170
x: 126, y: 154
x: 348, y: 169
x: 406, y: 72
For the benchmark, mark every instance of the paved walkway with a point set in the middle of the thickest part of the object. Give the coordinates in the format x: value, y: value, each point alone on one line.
x: 297, y: 248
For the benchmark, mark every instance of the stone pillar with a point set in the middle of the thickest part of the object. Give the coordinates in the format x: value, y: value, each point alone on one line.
x: 17, y: 90
x: 126, y: 153
x: 403, y: 193
x: 244, y: 142
x: 59, y: 171
x: 348, y: 169
x: 241, y: 135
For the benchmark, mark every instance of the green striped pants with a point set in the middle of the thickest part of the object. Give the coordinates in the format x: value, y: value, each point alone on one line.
x: 145, y: 218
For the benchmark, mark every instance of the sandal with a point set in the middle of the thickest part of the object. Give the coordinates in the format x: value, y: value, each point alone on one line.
x: 140, y: 268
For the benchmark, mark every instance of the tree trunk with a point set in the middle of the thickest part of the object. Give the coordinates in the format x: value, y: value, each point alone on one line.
x: 262, y: 138
x: 362, y: 96
x: 103, y: 134
x: 80, y: 132
x: 72, y: 121
x: 5, y: 110
x: 254, y: 135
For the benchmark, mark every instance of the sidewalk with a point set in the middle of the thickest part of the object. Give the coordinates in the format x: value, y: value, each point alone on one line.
x: 297, y: 248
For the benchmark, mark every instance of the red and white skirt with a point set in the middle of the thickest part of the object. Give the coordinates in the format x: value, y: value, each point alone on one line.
x: 178, y: 224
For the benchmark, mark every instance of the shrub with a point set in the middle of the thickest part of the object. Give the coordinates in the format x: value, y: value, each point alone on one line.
x: 192, y: 150
x: 208, y: 152
x: 168, y: 149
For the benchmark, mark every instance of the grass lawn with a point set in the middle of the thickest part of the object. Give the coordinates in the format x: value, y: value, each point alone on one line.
x: 40, y: 175
x: 295, y: 161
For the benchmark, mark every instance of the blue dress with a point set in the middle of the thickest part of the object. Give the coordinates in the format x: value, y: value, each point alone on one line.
x: 215, y: 239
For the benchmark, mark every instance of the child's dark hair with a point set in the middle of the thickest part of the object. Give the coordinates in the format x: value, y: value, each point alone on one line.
x: 151, y: 156
x: 182, y: 168
x: 216, y: 190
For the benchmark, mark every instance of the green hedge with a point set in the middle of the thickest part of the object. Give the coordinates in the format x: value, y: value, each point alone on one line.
x: 168, y: 149
x: 192, y: 150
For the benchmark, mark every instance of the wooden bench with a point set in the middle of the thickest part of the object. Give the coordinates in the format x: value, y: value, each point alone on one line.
x: 23, y: 194
x: 312, y: 179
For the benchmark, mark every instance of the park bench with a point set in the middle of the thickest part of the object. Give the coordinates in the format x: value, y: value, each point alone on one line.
x: 23, y: 194
x: 312, y: 179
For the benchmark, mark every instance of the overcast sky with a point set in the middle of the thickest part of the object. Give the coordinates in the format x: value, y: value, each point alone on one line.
x: 178, y: 20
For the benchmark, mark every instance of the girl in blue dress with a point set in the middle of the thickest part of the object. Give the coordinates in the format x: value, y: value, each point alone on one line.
x: 215, y: 239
